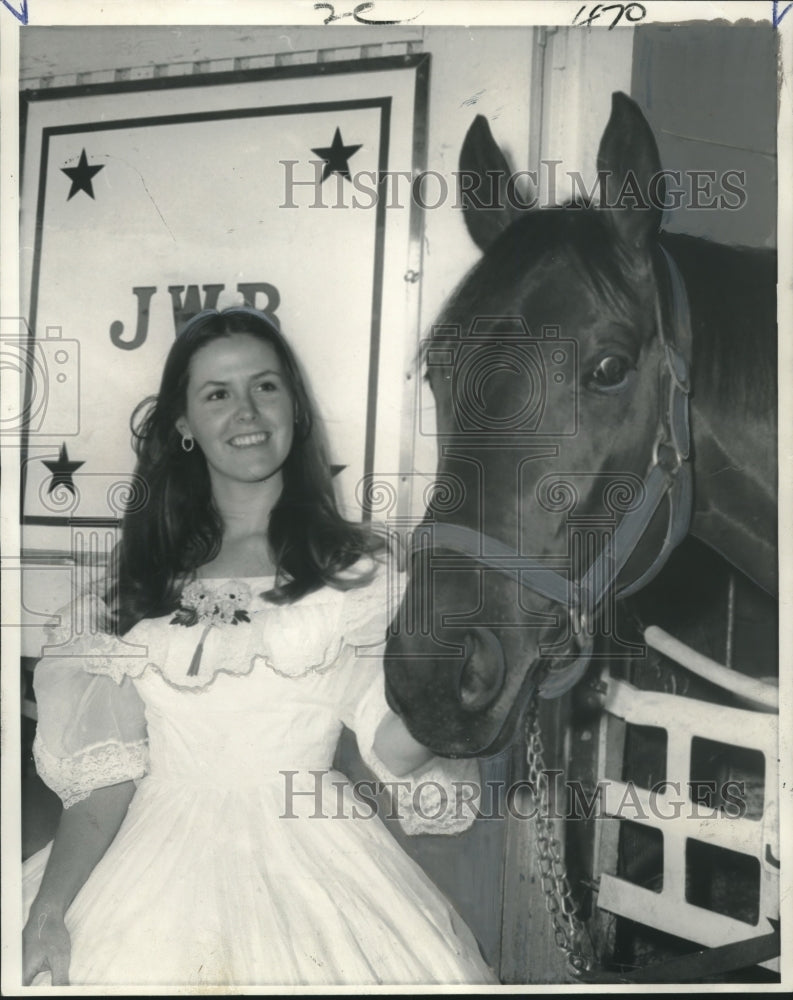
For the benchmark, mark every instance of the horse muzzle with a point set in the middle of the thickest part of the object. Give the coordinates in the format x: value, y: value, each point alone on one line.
x: 471, y: 703
x: 484, y: 669
x: 448, y: 692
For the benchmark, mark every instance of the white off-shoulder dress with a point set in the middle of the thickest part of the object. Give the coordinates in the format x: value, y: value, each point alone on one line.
x: 222, y: 872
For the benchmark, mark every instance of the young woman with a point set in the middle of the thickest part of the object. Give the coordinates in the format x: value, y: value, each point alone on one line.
x: 205, y: 838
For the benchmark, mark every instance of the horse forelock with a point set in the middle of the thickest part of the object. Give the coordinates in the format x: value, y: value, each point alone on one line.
x: 573, y: 239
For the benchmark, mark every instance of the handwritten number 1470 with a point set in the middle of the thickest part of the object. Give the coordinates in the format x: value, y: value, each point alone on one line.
x: 357, y: 14
x: 632, y: 12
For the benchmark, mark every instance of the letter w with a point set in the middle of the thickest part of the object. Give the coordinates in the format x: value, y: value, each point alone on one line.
x: 182, y: 312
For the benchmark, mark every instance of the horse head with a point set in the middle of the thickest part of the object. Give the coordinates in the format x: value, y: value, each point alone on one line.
x: 559, y: 370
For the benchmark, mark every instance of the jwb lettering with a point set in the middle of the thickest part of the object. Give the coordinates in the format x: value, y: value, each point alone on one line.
x: 185, y: 303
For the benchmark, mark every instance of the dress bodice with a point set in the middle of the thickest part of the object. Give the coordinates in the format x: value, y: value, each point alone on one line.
x: 243, y: 725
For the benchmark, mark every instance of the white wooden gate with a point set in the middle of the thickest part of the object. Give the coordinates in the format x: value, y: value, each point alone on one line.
x: 682, y: 821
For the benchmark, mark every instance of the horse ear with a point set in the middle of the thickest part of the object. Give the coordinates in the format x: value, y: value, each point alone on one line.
x: 485, y: 187
x: 629, y: 165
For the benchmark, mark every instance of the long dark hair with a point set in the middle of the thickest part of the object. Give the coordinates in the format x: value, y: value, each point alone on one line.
x: 178, y: 528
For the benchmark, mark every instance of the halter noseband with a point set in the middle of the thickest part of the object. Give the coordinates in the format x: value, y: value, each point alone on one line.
x: 669, y: 473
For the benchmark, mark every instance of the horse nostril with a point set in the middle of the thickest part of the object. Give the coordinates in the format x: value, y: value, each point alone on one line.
x: 483, y: 672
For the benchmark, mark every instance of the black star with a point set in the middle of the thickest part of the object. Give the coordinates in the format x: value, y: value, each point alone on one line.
x: 336, y: 469
x: 336, y: 156
x: 62, y: 472
x: 81, y: 175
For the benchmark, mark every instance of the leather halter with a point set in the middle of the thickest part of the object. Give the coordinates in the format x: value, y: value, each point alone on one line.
x: 668, y: 475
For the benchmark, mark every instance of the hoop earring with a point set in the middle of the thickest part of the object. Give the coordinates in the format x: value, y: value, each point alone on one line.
x: 188, y: 444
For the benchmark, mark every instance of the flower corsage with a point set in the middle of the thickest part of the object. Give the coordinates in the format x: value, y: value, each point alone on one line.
x: 202, y: 604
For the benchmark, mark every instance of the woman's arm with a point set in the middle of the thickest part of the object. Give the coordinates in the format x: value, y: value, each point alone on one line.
x: 85, y: 832
x: 397, y: 749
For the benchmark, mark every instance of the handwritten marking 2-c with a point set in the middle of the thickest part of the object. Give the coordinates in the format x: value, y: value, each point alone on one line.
x: 356, y: 14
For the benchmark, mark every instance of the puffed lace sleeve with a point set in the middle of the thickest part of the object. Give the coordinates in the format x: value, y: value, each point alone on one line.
x: 442, y: 796
x: 91, y: 729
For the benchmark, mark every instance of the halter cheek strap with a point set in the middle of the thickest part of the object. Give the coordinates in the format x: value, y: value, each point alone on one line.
x: 673, y: 445
x: 668, y: 475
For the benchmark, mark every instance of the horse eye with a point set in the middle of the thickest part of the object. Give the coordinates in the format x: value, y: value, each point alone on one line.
x: 446, y: 376
x: 609, y: 373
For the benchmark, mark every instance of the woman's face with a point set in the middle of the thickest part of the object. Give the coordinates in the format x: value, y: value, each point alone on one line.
x: 239, y: 409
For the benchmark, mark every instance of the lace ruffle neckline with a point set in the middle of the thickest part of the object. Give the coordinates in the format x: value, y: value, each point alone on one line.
x: 293, y: 640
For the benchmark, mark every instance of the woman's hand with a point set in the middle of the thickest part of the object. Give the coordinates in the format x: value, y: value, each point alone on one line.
x: 397, y: 749
x: 46, y: 945
x: 85, y: 831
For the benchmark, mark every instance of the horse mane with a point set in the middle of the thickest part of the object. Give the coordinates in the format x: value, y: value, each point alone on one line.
x: 732, y: 297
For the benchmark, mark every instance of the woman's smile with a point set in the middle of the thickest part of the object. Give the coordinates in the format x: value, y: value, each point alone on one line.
x: 239, y: 410
x: 250, y: 440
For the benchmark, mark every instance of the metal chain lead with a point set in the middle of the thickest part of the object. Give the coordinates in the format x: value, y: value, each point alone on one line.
x: 568, y: 931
